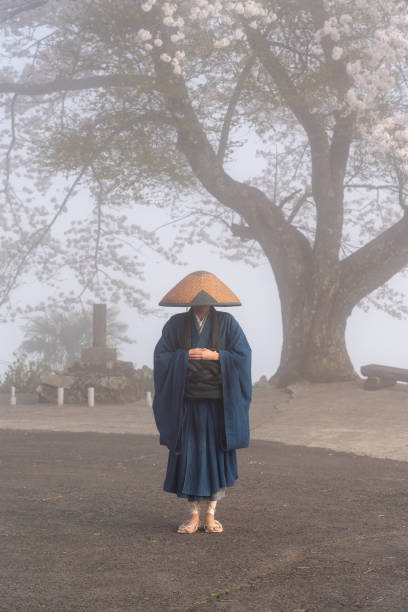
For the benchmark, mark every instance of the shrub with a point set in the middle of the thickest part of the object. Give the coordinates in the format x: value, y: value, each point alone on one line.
x: 23, y: 374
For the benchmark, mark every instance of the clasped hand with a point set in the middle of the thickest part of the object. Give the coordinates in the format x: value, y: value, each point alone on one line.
x: 203, y: 353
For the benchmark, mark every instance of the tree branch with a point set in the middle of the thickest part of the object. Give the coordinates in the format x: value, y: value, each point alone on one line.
x: 7, y: 186
x: 277, y: 238
x: 91, y: 82
x: 329, y: 207
x: 133, y: 118
x: 194, y: 144
x: 343, y: 130
x: 41, y: 235
x: 370, y: 186
x: 340, y: 150
x: 99, y: 203
x: 375, y: 263
x: 401, y: 180
x: 246, y: 71
x: 290, y: 94
x: 337, y: 68
x: 38, y: 237
x: 298, y: 205
x: 288, y: 198
x: 174, y: 221
x: 10, y: 14
x: 242, y: 231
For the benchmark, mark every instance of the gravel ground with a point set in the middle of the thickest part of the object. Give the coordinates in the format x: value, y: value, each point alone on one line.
x: 85, y: 526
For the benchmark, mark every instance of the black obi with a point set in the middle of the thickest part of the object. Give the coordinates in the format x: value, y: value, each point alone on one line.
x: 203, y: 377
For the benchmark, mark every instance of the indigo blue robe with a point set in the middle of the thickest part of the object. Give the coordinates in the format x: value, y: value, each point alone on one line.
x: 202, y: 435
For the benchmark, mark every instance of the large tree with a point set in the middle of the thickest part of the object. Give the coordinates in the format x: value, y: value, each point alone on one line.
x: 136, y: 101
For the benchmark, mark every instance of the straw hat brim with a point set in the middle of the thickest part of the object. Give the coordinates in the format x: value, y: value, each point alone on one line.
x: 200, y: 289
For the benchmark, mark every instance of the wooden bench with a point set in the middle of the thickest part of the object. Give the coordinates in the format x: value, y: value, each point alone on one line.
x: 379, y: 376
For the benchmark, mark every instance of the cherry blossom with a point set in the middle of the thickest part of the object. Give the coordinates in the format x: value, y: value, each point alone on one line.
x: 144, y: 34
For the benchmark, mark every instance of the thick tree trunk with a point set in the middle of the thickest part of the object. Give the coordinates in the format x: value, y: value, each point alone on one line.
x: 314, y: 345
x: 314, y: 307
x: 327, y: 356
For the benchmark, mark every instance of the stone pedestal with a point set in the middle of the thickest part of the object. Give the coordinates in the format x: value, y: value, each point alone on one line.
x: 99, y: 355
x: 58, y: 380
x: 117, y: 385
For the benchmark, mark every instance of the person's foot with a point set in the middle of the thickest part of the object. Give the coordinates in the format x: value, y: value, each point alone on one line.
x: 190, y: 526
x: 211, y: 525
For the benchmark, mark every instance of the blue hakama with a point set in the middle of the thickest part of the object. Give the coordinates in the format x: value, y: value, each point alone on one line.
x: 202, y: 468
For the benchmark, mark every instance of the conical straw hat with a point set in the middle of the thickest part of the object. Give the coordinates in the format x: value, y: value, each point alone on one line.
x: 200, y: 289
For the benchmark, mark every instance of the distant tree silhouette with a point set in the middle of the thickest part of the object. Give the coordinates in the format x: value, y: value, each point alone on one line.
x: 57, y: 338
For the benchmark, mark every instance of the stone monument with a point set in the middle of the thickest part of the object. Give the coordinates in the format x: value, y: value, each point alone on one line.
x: 114, y: 381
x: 99, y: 354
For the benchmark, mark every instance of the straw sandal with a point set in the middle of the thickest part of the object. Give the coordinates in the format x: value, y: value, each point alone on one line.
x: 216, y: 527
x: 184, y: 528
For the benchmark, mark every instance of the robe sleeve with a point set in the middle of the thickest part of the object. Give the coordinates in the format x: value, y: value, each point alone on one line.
x: 237, y: 386
x: 170, y: 366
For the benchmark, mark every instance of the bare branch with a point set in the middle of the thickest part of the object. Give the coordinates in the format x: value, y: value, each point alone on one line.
x: 329, y: 205
x: 292, y: 96
x: 196, y: 213
x: 288, y: 198
x: 7, y: 186
x: 300, y: 160
x: 90, y: 82
x: 133, y: 118
x: 99, y: 203
x: 174, y: 221
x: 246, y: 71
x: 369, y: 186
x: 41, y: 235
x: 29, y: 6
x: 299, y: 205
x: 275, y: 178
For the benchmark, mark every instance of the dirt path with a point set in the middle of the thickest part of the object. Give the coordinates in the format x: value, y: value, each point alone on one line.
x: 340, y: 416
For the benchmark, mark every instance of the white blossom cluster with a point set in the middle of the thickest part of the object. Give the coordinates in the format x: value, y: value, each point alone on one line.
x: 374, y: 50
x: 371, y: 73
x: 224, y: 12
x: 390, y: 136
x: 377, y: 77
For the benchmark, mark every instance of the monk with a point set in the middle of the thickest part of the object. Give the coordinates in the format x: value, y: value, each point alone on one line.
x: 202, y: 374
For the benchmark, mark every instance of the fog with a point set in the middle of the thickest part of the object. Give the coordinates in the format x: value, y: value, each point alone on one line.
x: 372, y: 337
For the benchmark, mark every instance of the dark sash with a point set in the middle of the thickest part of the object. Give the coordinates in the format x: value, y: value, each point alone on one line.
x: 203, y: 378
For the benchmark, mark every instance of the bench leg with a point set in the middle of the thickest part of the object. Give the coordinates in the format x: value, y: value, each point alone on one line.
x: 374, y: 383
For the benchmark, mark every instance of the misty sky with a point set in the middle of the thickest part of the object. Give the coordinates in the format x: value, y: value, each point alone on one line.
x: 372, y: 337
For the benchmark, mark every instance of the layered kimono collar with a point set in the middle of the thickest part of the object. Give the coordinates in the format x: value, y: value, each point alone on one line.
x: 215, y: 329
x: 200, y: 322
